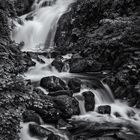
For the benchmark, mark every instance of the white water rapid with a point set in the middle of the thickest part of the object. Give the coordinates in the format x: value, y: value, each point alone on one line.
x: 38, y: 35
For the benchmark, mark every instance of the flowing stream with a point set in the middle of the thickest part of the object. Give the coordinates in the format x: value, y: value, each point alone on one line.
x: 38, y: 35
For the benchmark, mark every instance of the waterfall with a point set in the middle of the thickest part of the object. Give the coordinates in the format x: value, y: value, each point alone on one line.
x: 38, y: 33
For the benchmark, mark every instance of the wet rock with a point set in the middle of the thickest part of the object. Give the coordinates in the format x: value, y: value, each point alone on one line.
x: 58, y: 63
x: 61, y: 92
x: 20, y: 21
x: 89, y: 100
x: 63, y: 124
x: 23, y: 7
x: 54, y: 54
x: 35, y: 56
x: 31, y: 116
x: 29, y: 16
x: 38, y: 131
x: 48, y: 3
x: 79, y: 97
x: 78, y: 65
x: 46, y: 108
x: 125, y: 136
x: 53, y: 137
x: 53, y: 83
x: 131, y: 113
x: 92, y: 129
x: 117, y: 114
x: 68, y: 105
x: 74, y: 84
x: 106, y: 109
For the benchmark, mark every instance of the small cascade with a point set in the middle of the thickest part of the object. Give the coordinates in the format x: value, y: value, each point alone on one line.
x: 25, y: 133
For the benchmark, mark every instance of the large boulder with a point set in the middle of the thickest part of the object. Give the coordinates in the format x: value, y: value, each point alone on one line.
x: 104, y: 109
x: 58, y: 63
x: 53, y: 83
x: 54, y: 137
x: 46, y: 108
x: 68, y: 105
x: 78, y: 65
x: 74, y: 84
x: 31, y: 116
x: 38, y: 131
x: 89, y: 100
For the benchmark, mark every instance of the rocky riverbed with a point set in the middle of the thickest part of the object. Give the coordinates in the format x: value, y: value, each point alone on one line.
x: 102, y: 36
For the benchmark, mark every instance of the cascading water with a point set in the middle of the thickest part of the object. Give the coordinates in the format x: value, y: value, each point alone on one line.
x: 38, y: 35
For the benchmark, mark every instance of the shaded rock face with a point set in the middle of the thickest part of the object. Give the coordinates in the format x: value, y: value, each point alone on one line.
x: 38, y: 131
x: 84, y: 65
x: 31, y: 116
x: 68, y: 105
x: 58, y: 63
x: 46, y: 108
x: 104, y: 109
x: 89, y: 100
x: 22, y: 6
x: 53, y: 137
x: 107, y: 33
x: 74, y: 84
x: 52, y: 83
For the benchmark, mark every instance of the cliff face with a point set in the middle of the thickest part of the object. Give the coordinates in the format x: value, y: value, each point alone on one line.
x: 106, y: 32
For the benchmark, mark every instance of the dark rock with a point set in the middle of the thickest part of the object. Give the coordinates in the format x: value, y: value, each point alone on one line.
x: 48, y: 3
x: 61, y: 92
x: 74, y: 84
x: 52, y: 83
x: 89, y: 100
x: 78, y: 65
x: 38, y: 131
x: 23, y: 6
x: 20, y: 21
x: 117, y: 114
x: 106, y: 109
x: 35, y: 56
x: 53, y: 137
x: 63, y: 124
x: 92, y: 129
x: 55, y: 54
x: 125, y: 136
x: 79, y: 97
x: 31, y: 116
x: 68, y: 105
x: 29, y: 16
x: 46, y: 108
x: 131, y: 113
x: 58, y: 63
